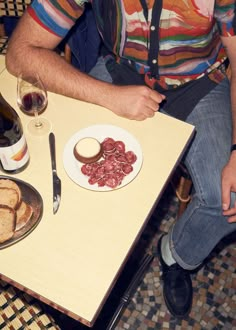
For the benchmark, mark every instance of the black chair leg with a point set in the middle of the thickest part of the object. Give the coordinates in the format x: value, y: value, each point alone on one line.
x: 145, y: 262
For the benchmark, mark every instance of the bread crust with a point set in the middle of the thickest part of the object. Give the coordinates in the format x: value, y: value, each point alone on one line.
x: 23, y: 215
x: 7, y: 223
x: 14, y: 212
x: 9, y: 197
x: 7, y: 183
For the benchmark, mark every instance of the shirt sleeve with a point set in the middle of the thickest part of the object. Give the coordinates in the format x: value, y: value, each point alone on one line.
x: 56, y: 16
x: 225, y: 14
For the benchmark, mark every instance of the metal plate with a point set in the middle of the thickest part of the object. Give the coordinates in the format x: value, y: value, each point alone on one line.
x: 30, y: 196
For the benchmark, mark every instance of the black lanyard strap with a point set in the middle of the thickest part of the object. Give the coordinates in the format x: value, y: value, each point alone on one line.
x: 145, y: 8
x: 154, y: 39
x: 154, y: 35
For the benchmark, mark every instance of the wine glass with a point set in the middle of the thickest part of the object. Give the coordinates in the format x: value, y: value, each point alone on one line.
x: 32, y: 100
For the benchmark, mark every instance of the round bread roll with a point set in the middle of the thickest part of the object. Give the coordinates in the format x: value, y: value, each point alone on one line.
x: 88, y: 150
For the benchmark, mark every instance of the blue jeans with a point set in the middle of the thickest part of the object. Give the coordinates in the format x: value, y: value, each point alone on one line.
x: 202, y: 225
x: 99, y: 71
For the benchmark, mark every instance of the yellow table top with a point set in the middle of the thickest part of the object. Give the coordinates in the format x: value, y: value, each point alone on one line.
x: 2, y: 63
x: 72, y: 259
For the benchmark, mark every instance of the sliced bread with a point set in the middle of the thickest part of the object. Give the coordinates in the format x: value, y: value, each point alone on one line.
x: 7, y: 223
x: 7, y: 183
x: 9, y: 197
x: 23, y: 215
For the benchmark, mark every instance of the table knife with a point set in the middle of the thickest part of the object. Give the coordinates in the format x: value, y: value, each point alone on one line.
x: 55, y: 178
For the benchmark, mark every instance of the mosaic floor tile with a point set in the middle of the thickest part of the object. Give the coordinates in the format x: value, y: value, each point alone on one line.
x: 214, y: 285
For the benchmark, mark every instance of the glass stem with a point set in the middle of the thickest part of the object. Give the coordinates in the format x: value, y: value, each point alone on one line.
x: 38, y: 123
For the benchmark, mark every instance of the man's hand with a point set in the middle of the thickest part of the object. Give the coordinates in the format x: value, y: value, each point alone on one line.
x: 134, y: 102
x: 229, y: 171
x: 228, y: 186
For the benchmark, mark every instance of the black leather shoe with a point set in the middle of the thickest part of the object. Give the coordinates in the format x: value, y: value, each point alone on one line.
x: 177, y: 287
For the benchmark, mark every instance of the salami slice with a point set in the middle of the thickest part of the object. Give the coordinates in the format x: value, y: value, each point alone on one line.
x: 130, y: 157
x: 112, y: 181
x: 127, y: 168
x: 113, y: 167
x: 108, y: 145
x: 120, y: 146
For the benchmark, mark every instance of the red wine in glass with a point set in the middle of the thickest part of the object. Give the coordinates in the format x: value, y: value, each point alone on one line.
x: 32, y: 100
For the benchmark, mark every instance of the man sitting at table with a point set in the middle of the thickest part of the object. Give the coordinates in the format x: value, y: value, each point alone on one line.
x: 167, y: 56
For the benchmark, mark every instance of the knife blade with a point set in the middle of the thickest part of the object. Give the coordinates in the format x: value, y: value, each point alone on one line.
x: 56, y: 180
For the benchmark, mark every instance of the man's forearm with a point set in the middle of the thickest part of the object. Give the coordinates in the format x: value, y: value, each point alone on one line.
x: 58, y: 75
x: 31, y: 49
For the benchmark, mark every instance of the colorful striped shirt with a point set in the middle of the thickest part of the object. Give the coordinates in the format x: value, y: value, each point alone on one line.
x: 167, y: 42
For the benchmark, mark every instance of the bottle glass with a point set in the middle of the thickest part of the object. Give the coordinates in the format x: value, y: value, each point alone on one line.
x: 14, y: 153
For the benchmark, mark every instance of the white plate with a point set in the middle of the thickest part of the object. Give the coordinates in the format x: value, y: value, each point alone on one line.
x: 100, y: 132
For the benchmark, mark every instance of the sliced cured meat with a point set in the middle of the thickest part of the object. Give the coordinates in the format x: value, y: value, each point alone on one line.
x: 86, y: 169
x: 112, y: 181
x: 102, y: 182
x: 127, y: 168
x: 111, y: 169
x: 130, y: 157
x: 108, y: 140
x: 121, y: 158
x: 120, y: 146
x: 109, y: 165
x: 92, y: 179
x: 108, y: 145
x: 110, y: 157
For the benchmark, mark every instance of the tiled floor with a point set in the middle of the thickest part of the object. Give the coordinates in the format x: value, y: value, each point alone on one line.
x: 214, y: 304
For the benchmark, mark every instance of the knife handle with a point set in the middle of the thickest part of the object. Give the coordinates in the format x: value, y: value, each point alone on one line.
x: 52, y: 150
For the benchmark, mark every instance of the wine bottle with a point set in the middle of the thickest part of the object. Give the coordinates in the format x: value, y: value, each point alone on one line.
x: 14, y: 153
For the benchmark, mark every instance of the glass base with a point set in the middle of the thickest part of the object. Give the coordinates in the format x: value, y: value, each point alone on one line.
x: 39, y: 127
